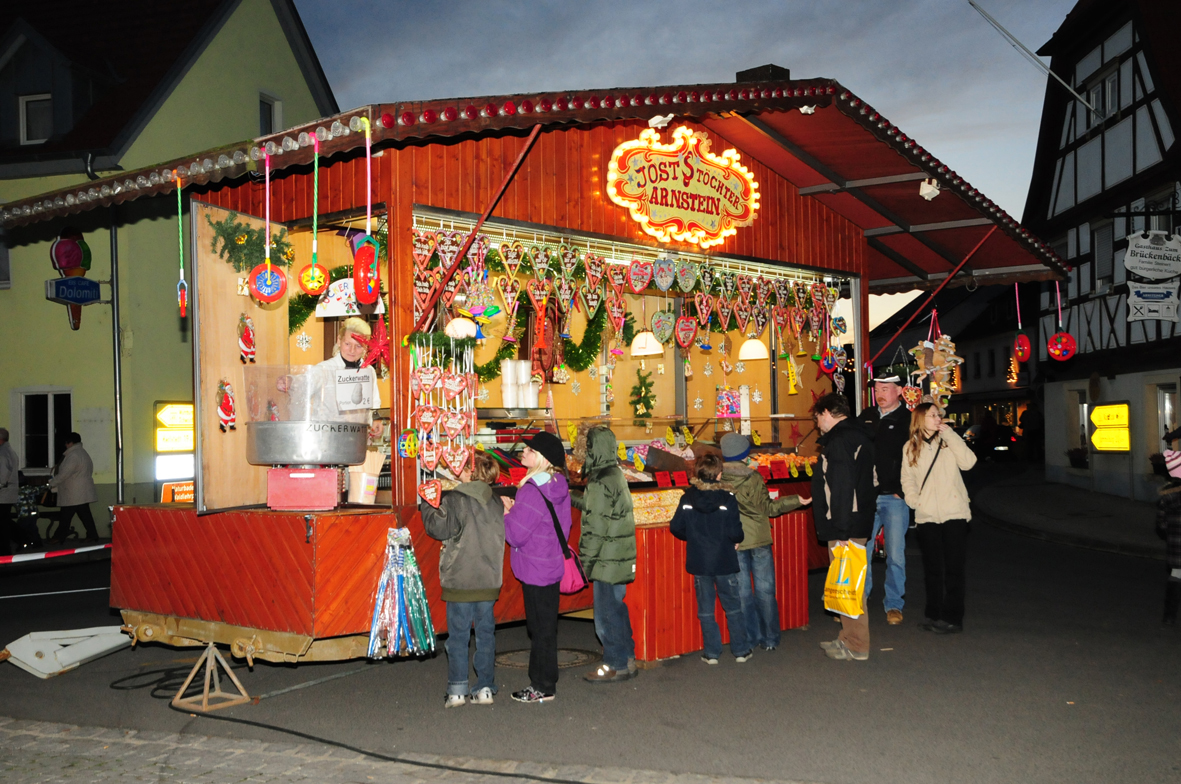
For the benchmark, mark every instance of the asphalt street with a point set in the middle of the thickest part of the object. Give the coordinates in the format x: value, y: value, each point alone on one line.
x: 1063, y: 673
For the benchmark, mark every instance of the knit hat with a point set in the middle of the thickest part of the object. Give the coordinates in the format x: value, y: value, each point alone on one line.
x: 735, y: 446
x: 549, y: 446
x: 1173, y: 463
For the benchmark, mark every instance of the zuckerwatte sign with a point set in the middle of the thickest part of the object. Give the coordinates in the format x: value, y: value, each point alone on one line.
x: 682, y: 191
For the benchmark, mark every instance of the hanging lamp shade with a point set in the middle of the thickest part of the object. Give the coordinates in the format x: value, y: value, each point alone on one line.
x: 645, y: 344
x: 753, y: 349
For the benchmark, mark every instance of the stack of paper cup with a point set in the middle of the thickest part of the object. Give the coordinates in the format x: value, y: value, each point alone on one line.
x: 531, y: 392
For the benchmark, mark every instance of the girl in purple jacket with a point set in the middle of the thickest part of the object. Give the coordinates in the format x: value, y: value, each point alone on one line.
x: 536, y: 556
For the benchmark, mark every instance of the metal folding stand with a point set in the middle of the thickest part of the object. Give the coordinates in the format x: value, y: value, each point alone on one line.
x: 204, y: 701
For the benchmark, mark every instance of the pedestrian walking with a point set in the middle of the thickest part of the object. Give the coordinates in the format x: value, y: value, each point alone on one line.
x: 843, y: 493
x: 889, y: 424
x: 756, y: 562
x: 536, y: 556
x: 73, y: 479
x: 934, y: 458
x: 1168, y: 527
x: 9, y: 490
x: 607, y: 546
x: 709, y: 522
x: 470, y: 523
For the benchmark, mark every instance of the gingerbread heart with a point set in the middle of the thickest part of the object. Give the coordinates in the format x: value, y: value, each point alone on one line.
x: 565, y: 290
x: 664, y: 273
x: 428, y: 378
x: 427, y: 416
x: 746, y: 284
x: 450, y: 290
x: 912, y: 396
x: 454, y: 384
x: 705, y: 306
x: 540, y: 259
x: 594, y: 266
x: 686, y: 275
x: 592, y: 297
x: 477, y: 252
x: 723, y: 306
x: 424, y: 248
x: 729, y: 285
x: 424, y: 288
x: 686, y: 331
x: 510, y: 289
x: 800, y: 290
x: 799, y: 318
x: 617, y: 277
x: 447, y: 245
x: 616, y: 310
x: 431, y: 491
x: 742, y: 312
x: 512, y: 256
x: 428, y: 453
x: 457, y: 458
x: 782, y: 316
x: 663, y: 323
x: 760, y: 317
x: 830, y: 298
x: 538, y: 291
x: 819, y: 290
x: 763, y: 290
x: 454, y: 423
x: 706, y: 275
x: 639, y: 275
x: 782, y: 292
x: 569, y: 259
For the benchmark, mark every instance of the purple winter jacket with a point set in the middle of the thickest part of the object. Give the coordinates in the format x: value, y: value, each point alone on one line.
x: 536, y: 555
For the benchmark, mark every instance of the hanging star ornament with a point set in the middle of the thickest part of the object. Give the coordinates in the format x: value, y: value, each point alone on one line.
x: 740, y: 367
x: 377, y: 346
x: 757, y: 395
x: 483, y: 395
x: 304, y: 341
x: 593, y: 372
x: 575, y: 387
x: 698, y: 403
x: 709, y: 369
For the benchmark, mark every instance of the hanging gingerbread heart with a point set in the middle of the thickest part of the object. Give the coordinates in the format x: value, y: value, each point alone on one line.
x: 426, y: 417
x: 512, y: 256
x: 448, y: 245
x: 782, y: 316
x: 431, y: 491
x: 639, y: 275
x: 723, y: 306
x: 454, y: 384
x: 742, y: 312
x: 799, y: 320
x: 705, y: 306
x: 830, y: 298
x: 477, y: 253
x: 569, y: 258
x: 473, y: 386
x: 800, y: 290
x: 664, y: 273
x: 454, y: 423
x: 759, y: 317
x: 706, y: 275
x: 819, y: 294
x: 616, y: 310
x: 912, y: 396
x: 565, y: 290
x: 538, y: 291
x: 1061, y: 346
x: 686, y: 275
x: 510, y: 289
x: 594, y: 266
x: 428, y: 378
x: 686, y: 331
x: 540, y: 259
x: 450, y: 290
x: 424, y: 287
x: 617, y: 277
x: 729, y: 284
x: 592, y: 297
x: 663, y: 323
x: 428, y: 453
x: 746, y: 285
x: 782, y: 292
x: 424, y: 248
x: 763, y: 288
x: 457, y: 458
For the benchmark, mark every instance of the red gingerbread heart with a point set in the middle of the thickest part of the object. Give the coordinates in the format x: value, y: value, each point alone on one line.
x: 457, y: 458
x: 426, y: 416
x: 686, y: 331
x: 617, y: 277
x: 454, y: 423
x: 428, y: 453
x: 431, y: 491
x: 424, y: 248
x: 428, y: 378
x: 723, y: 306
x: 705, y: 306
x: 742, y: 312
x: 595, y: 266
x: 453, y: 385
x: 448, y: 245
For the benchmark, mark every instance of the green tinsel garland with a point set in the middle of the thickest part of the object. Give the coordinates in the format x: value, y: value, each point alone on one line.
x: 580, y: 356
x: 244, y: 247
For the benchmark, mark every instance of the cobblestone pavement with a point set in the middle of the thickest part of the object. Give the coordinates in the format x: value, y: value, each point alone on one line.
x: 42, y: 752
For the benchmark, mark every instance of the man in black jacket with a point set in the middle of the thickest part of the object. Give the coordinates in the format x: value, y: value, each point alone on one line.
x: 888, y: 423
x: 843, y: 498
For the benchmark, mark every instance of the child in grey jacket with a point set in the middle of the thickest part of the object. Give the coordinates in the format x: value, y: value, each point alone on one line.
x: 470, y: 523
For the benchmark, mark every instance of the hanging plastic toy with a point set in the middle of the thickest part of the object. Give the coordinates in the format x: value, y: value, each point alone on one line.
x: 366, y: 275
x: 267, y: 283
x: 313, y: 278
x: 182, y: 288
x: 1022, y: 350
x: 1061, y: 345
x: 401, y: 623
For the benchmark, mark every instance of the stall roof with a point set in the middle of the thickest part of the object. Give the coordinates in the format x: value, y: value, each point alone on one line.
x: 815, y: 133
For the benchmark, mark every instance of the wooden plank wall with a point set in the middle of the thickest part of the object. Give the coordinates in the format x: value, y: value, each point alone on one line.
x: 561, y: 184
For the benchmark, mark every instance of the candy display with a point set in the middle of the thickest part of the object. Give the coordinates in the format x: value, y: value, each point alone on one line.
x: 401, y: 615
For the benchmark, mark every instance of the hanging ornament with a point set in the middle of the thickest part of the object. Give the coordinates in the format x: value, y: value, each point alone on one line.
x: 639, y: 275
x: 182, y: 287
x: 1061, y: 345
x: 569, y: 260
x: 1022, y: 350
x: 739, y: 367
x: 314, y: 278
x: 267, y: 284
x: 431, y: 491
x: 705, y: 306
x: 303, y: 341
x: 686, y: 331
x: 686, y: 275
x: 408, y: 444
x: 839, y: 326
x: 746, y: 285
x: 366, y: 266
x: 698, y: 404
x: 594, y: 266
x: 575, y: 387
x: 664, y: 273
x: 592, y: 297
x: 617, y: 277
x: 377, y: 346
x: 793, y: 378
x: 511, y: 257
x: 540, y: 259
x: 663, y: 323
x: 705, y: 274
x: 482, y: 396
x: 246, y: 350
x: 560, y: 375
x: 708, y: 370
x: 688, y: 367
x: 227, y: 410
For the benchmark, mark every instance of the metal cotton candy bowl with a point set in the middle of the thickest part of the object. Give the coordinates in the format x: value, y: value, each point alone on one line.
x: 293, y: 419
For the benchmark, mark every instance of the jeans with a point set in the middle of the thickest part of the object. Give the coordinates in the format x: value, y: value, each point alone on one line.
x: 461, y: 617
x: 894, y: 515
x: 726, y: 588
x: 613, y: 625
x: 758, y: 603
x: 945, y: 547
x: 541, y: 621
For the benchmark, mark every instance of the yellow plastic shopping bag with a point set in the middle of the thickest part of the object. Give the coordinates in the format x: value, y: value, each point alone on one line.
x: 845, y: 586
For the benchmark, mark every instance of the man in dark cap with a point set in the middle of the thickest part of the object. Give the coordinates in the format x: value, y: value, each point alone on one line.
x: 889, y: 424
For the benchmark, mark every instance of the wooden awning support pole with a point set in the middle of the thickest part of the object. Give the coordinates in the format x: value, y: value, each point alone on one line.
x: 508, y: 178
x: 923, y: 307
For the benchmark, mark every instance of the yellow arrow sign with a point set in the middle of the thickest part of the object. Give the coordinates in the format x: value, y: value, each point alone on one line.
x: 170, y: 440
x: 1112, y: 439
x: 1111, y: 415
x: 176, y: 415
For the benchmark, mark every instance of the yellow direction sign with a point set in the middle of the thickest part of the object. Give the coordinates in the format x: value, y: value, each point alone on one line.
x: 176, y: 415
x: 1111, y: 415
x: 174, y: 440
x: 1112, y: 439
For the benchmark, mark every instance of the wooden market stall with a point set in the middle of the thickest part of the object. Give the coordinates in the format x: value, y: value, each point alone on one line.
x: 809, y: 200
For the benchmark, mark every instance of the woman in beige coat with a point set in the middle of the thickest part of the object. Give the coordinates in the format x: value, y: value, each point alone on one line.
x: 73, y: 479
x: 931, y: 464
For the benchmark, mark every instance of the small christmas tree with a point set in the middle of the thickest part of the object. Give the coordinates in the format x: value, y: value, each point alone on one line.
x: 642, y: 400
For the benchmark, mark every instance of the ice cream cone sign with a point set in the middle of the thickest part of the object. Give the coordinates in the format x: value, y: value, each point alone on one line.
x: 70, y: 256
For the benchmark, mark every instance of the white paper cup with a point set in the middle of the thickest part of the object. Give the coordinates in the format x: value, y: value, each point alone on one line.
x: 510, y: 396
x: 508, y: 372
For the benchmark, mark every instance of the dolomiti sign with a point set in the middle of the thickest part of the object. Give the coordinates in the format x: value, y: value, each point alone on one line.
x: 682, y: 191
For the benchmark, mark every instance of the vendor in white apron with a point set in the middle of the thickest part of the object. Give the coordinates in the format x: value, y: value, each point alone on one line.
x: 339, y: 389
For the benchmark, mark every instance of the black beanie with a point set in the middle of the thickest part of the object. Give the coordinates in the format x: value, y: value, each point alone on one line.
x: 549, y: 446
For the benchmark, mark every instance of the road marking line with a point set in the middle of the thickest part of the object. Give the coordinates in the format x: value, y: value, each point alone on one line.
x: 55, y: 593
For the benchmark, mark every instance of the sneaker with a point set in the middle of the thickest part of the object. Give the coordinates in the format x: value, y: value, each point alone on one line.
x: 745, y: 657
x: 605, y: 674
x: 454, y: 701
x: 632, y: 669
x: 709, y: 659
x: 842, y: 653
x: 531, y: 694
x: 482, y: 696
x: 830, y: 645
x: 943, y: 627
x: 768, y: 647
x: 893, y: 617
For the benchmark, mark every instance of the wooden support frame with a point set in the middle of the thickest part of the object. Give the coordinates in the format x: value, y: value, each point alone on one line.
x: 215, y: 698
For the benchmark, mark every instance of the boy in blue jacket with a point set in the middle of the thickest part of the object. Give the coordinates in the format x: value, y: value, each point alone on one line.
x: 708, y: 521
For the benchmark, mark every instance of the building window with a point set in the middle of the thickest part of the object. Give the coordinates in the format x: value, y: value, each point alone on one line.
x: 1166, y: 411
x: 270, y: 114
x: 46, y: 420
x: 1084, y: 415
x: 36, y: 118
x: 992, y: 363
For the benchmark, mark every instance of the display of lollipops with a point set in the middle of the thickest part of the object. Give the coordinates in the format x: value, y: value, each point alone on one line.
x: 1061, y: 345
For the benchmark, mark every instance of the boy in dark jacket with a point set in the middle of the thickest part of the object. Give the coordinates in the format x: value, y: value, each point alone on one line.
x: 708, y: 521
x: 470, y: 523
x: 608, y: 549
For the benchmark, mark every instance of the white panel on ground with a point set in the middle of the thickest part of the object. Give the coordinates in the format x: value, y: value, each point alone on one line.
x: 46, y: 654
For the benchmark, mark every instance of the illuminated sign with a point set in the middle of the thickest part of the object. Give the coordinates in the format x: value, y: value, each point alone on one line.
x: 174, y: 440
x: 176, y: 415
x: 1113, y: 431
x: 682, y: 191
x: 174, y: 467
x: 176, y: 493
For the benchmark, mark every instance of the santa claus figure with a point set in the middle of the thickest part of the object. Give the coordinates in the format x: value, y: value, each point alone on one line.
x: 246, y: 339
x: 227, y: 411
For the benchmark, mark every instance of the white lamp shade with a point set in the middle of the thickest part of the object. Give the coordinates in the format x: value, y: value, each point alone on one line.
x: 752, y: 349
x: 460, y: 328
x: 645, y: 344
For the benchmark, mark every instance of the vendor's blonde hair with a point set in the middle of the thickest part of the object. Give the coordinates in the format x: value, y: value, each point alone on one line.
x: 351, y: 326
